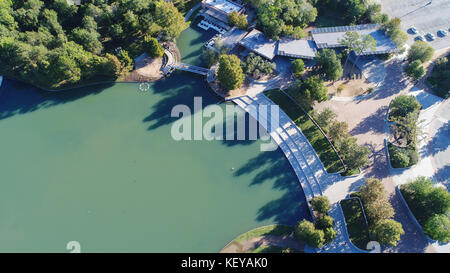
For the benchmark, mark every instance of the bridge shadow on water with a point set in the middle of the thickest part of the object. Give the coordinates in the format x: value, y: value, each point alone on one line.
x: 20, y: 98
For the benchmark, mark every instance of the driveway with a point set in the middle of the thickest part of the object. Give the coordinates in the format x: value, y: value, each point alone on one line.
x: 424, y: 16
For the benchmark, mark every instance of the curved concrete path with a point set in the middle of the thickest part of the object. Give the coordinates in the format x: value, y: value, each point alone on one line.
x: 305, y: 162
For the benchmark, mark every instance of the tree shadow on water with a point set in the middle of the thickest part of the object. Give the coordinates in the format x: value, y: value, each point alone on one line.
x: 19, y: 98
x: 273, y: 167
x: 178, y: 89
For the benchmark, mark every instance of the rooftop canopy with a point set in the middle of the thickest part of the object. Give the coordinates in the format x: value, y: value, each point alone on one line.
x: 305, y: 49
x: 329, y: 37
x: 223, y: 5
x: 257, y: 42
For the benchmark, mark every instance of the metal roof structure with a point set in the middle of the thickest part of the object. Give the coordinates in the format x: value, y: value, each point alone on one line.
x: 257, y: 42
x: 329, y: 37
x: 305, y: 49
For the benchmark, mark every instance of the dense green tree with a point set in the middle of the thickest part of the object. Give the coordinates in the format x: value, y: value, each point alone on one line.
x: 387, y: 232
x: 298, y: 67
x: 375, y: 201
x: 415, y: 70
x: 168, y: 17
x: 402, y: 105
x: 238, y: 20
x: 285, y: 17
x: 440, y: 77
x: 324, y: 222
x: 420, y: 51
x: 153, y: 47
x: 38, y: 36
x: 88, y: 39
x: 315, y: 88
x: 125, y: 60
x: 230, y: 74
x: 325, y: 118
x: 329, y: 63
x: 355, y: 156
x: 337, y: 131
x: 321, y: 204
x: 306, y: 232
x: 256, y: 66
x: 438, y: 228
x: 329, y: 235
x: 392, y: 29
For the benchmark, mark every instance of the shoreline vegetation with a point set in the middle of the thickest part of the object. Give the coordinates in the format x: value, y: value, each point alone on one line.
x: 55, y: 45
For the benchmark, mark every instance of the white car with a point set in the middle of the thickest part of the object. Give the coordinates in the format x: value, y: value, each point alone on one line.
x: 413, y: 30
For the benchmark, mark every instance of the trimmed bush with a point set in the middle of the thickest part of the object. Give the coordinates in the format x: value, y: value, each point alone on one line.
x: 305, y: 231
x: 430, y: 205
x: 320, y: 204
x: 438, y: 228
x: 324, y: 222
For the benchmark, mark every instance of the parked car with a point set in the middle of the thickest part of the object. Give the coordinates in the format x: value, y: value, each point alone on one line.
x: 430, y: 36
x: 413, y: 30
x: 442, y: 32
x: 420, y: 38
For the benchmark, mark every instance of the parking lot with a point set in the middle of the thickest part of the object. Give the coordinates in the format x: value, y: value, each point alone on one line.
x: 425, y: 16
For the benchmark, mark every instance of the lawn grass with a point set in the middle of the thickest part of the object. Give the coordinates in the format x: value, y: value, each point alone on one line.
x: 278, y: 230
x: 356, y: 225
x: 272, y: 249
x: 320, y: 144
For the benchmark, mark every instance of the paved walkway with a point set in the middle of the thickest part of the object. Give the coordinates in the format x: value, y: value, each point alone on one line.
x: 370, y: 128
x: 192, y: 10
x: 304, y: 160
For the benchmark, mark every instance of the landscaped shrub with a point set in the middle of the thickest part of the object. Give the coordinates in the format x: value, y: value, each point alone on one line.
x: 420, y: 50
x: 387, y: 232
x: 320, y: 204
x: 324, y: 222
x: 379, y: 212
x: 415, y: 70
x: 375, y: 201
x: 329, y: 235
x: 440, y: 77
x: 306, y: 232
x: 298, y: 67
x: 430, y: 205
x: 256, y: 66
x: 438, y: 228
x: 402, y: 105
x: 402, y: 157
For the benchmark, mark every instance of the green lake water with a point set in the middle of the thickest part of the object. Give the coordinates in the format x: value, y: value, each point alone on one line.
x: 98, y: 166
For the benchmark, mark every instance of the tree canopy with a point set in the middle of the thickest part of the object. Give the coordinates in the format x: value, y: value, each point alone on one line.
x: 329, y: 63
x: 285, y: 17
x: 420, y: 50
x: 53, y: 44
x: 230, y: 74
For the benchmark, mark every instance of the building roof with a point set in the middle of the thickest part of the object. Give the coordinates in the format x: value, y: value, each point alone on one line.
x: 329, y: 37
x: 305, y: 49
x: 223, y: 5
x: 257, y: 42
